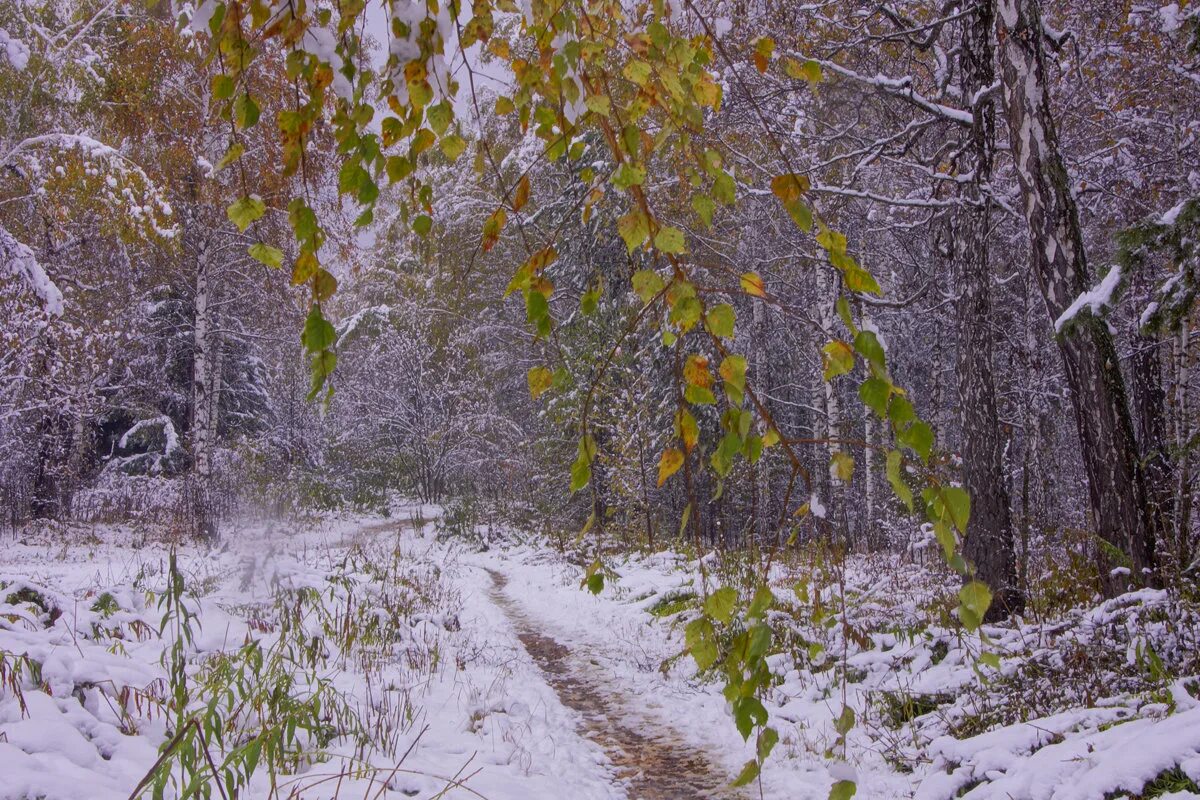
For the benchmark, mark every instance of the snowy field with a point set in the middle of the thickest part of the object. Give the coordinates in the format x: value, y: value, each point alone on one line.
x: 363, y: 657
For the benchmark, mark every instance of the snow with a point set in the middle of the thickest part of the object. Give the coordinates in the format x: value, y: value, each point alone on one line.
x: 17, y: 260
x: 14, y: 50
x: 1171, y: 18
x: 816, y: 507
x: 1095, y: 300
x: 168, y: 429
x: 1172, y: 214
x: 482, y: 707
x: 483, y: 713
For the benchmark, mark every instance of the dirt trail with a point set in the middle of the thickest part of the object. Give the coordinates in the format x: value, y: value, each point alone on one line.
x: 652, y: 761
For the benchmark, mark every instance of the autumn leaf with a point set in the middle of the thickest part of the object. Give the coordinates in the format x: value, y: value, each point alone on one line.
x: 669, y: 464
x: 752, y: 284
x: 521, y: 194
x: 540, y: 380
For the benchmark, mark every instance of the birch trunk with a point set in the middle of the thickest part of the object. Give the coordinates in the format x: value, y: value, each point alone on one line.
x: 1116, y: 481
x: 201, y: 428
x: 989, y: 537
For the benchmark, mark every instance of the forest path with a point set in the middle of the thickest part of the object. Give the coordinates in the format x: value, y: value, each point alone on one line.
x: 653, y: 761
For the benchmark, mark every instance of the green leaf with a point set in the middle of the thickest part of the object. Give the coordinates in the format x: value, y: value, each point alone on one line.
x: 958, y: 504
x: 232, y: 154
x: 245, y: 210
x: 439, y: 117
x: 763, y: 599
x: 637, y: 71
x: 747, y: 775
x: 721, y: 319
x: 918, y: 437
x: 894, y: 460
x: 704, y: 207
x: 318, y: 334
x: 398, y: 168
x: 748, y: 712
x: 633, y: 229
x: 271, y: 256
x: 700, y: 640
x: 720, y: 604
x: 422, y: 225
x: 223, y: 87
x: 686, y: 313
x: 976, y: 596
x: 589, y: 300
x: 670, y: 240
x: 839, y: 359
x: 422, y: 140
x: 844, y: 722
x: 766, y: 743
x: 245, y: 111
x: 453, y: 146
x: 628, y: 175
x: 945, y: 537
x: 540, y: 380
x: 598, y: 104
x: 868, y: 345
x: 581, y: 472
x: 900, y: 411
x: 647, y: 284
x: 842, y: 790
x: 724, y: 190
x: 875, y: 392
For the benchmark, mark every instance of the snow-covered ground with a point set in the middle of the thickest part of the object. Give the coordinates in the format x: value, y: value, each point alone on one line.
x: 454, y: 704
x: 459, y: 696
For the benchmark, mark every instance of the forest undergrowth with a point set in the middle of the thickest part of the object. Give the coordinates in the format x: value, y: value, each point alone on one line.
x: 318, y: 666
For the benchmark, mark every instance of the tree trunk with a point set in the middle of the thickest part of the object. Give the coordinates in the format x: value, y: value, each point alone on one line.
x: 762, y: 486
x: 989, y: 537
x: 1116, y: 482
x: 1150, y: 400
x: 201, y: 428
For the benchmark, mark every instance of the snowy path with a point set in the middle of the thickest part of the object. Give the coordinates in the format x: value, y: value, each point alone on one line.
x: 655, y: 761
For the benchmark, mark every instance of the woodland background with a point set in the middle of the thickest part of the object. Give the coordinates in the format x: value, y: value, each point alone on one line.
x: 153, y: 370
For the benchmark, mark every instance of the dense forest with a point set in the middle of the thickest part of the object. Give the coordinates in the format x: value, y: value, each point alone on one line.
x: 827, y: 370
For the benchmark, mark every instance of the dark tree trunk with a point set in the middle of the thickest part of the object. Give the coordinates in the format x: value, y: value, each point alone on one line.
x: 989, y: 540
x: 1150, y: 405
x: 1116, y: 480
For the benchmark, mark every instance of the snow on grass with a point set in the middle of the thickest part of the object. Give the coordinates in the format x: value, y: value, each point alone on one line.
x: 1080, y: 708
x: 1093, y: 703
x: 423, y: 685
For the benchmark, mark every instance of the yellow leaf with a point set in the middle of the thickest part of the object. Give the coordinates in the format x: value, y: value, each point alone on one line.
x: 841, y: 466
x: 789, y: 187
x: 669, y: 464
x: 540, y: 379
x: 752, y: 284
x: 695, y: 371
x: 687, y: 429
x: 521, y: 195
